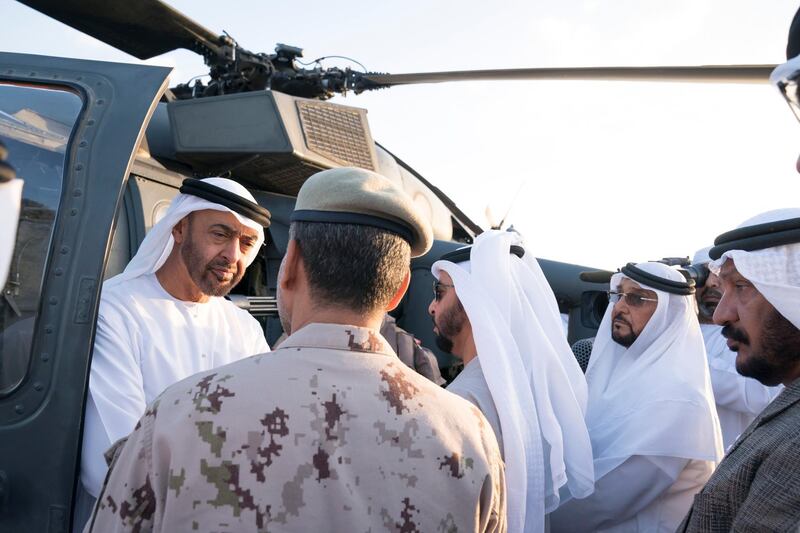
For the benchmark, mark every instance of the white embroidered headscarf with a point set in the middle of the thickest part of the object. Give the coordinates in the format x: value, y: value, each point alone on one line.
x: 10, y: 203
x: 158, y: 243
x: 536, y: 384
x: 774, y: 271
x: 654, y: 397
x: 701, y: 256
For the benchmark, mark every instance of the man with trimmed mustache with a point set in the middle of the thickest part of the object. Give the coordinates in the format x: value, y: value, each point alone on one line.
x: 757, y: 486
x: 739, y: 399
x: 165, y: 318
x: 331, y: 431
x: 651, y: 415
x: 493, y: 309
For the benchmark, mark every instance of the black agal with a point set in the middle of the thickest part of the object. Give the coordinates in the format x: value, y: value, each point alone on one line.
x: 463, y: 254
x: 683, y: 288
x: 757, y: 237
x: 232, y: 201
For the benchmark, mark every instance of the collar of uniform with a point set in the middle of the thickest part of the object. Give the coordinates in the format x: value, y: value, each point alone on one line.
x: 338, y: 337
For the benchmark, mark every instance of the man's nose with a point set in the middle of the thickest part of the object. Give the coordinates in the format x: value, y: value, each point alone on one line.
x: 431, y: 306
x: 232, y: 251
x: 725, y: 313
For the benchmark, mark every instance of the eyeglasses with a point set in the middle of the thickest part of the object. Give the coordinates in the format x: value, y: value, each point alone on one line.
x: 437, y: 289
x: 790, y: 94
x: 631, y: 299
x: 785, y: 77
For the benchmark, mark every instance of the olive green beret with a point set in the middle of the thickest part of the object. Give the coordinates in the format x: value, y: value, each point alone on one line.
x: 350, y: 195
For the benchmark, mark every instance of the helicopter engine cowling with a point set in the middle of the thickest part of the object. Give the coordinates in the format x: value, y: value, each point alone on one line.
x: 273, y: 142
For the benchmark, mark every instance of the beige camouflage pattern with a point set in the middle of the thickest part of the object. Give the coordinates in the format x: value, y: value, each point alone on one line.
x: 330, y: 432
x: 410, y: 350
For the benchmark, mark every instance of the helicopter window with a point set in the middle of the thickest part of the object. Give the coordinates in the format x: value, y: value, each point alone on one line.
x: 35, y: 125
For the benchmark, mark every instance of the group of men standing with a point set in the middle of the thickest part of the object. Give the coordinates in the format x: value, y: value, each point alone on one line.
x: 331, y: 431
x: 688, y: 416
x: 660, y: 390
x: 328, y: 432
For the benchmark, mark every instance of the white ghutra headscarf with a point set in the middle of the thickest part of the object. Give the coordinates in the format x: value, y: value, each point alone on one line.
x: 10, y: 203
x: 654, y: 397
x: 774, y: 271
x: 158, y: 243
x: 534, y: 379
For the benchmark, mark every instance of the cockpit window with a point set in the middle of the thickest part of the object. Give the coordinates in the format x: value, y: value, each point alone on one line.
x: 36, y: 124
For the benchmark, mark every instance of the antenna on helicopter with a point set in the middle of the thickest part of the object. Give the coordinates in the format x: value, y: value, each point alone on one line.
x: 490, y: 215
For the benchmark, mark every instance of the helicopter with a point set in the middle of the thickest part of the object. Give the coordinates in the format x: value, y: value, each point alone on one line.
x: 103, y: 148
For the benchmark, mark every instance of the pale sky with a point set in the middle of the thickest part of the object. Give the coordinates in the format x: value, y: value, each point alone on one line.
x: 609, y: 172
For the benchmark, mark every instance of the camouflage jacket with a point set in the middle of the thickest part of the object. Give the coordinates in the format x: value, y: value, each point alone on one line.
x: 410, y: 351
x: 330, y: 432
x: 407, y: 347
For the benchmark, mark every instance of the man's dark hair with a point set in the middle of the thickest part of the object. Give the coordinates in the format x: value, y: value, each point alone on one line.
x: 352, y: 266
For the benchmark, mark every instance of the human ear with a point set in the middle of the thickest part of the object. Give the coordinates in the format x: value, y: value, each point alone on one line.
x: 291, y: 262
x: 180, y: 230
x: 401, y: 291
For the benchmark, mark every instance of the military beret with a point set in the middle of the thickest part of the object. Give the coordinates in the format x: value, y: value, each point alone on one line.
x: 350, y: 195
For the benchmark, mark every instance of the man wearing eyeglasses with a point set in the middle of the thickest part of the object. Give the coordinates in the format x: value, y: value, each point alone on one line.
x: 786, y: 76
x: 630, y: 316
x: 651, y: 414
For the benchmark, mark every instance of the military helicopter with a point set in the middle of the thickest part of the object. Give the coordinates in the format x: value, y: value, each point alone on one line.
x: 103, y: 148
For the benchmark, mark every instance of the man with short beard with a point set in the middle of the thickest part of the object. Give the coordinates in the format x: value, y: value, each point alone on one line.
x: 739, y: 399
x: 494, y: 310
x: 651, y: 415
x: 331, y: 431
x: 757, y: 486
x: 165, y: 318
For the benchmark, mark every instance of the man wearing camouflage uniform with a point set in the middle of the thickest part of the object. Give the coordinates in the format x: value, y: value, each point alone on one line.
x: 330, y: 432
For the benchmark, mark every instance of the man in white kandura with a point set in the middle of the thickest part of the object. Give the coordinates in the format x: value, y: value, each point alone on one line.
x: 494, y: 309
x: 164, y: 318
x: 651, y: 415
x: 739, y: 399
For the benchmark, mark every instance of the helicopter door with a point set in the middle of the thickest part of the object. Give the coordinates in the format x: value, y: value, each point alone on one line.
x: 71, y: 128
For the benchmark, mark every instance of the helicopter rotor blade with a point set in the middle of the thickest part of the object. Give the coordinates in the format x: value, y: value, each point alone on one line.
x: 694, y: 74
x: 142, y: 28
